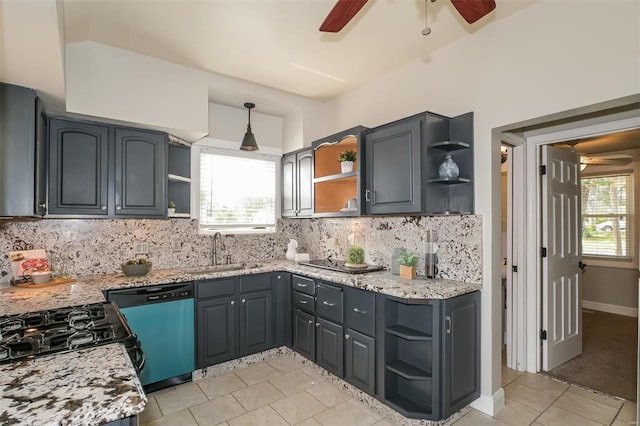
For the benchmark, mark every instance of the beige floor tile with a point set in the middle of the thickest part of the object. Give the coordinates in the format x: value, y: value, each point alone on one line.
x: 586, y: 407
x: 216, y: 411
x: 314, y: 373
x: 285, y: 363
x: 346, y: 414
x: 215, y: 387
x: 292, y: 382
x: 263, y: 416
x: 182, y: 418
x: 298, y: 407
x: 541, y: 383
x: 509, y: 375
x: 476, y: 418
x: 555, y: 416
x: 611, y: 401
x: 151, y: 411
x: 386, y: 422
x: 328, y: 393
x: 161, y: 391
x: 224, y: 424
x: 183, y: 396
x: 628, y: 412
x: 517, y: 414
x: 364, y: 406
x: 309, y: 422
x: 257, y: 373
x: 530, y: 397
x: 618, y: 422
x: 258, y: 395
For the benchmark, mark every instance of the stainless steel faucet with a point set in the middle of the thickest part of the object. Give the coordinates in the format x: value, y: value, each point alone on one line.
x: 214, y: 253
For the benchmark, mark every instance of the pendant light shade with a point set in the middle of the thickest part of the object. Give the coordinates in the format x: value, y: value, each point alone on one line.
x: 249, y: 141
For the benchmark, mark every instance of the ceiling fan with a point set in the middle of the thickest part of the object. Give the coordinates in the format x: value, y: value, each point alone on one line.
x: 598, y: 159
x: 345, y: 10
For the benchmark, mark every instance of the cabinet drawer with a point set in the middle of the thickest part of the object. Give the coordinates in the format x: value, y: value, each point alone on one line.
x: 329, y: 302
x: 251, y: 283
x: 215, y: 288
x: 305, y: 285
x: 304, y: 302
x: 359, y: 311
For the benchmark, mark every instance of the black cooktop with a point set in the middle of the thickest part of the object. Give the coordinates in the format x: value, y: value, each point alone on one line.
x: 339, y: 265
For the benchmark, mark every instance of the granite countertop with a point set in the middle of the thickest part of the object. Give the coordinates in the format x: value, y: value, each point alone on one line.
x: 88, y: 289
x: 67, y: 388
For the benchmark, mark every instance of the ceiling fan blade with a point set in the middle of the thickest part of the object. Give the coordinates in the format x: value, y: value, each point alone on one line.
x: 605, y: 161
x: 472, y: 10
x: 341, y: 14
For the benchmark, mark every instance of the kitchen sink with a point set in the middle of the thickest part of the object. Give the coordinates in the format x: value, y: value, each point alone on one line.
x: 221, y: 268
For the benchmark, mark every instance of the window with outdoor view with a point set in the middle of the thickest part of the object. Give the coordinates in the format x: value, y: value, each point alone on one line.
x: 607, y: 216
x: 236, y: 192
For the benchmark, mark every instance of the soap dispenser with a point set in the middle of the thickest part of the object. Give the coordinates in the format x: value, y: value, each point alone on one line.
x: 291, y: 249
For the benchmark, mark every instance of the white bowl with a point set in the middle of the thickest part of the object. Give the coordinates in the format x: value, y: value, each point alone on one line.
x: 41, y: 277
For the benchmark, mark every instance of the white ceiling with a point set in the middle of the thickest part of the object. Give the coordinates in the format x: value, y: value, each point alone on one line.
x: 276, y: 43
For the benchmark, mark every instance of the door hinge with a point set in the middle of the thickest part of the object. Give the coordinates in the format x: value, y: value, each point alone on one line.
x: 543, y: 334
x: 543, y: 252
x: 543, y: 170
x: 514, y: 268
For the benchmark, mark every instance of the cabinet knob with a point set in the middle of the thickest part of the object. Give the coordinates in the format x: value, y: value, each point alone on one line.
x: 310, y: 322
x: 279, y: 277
x: 317, y: 324
x: 347, y: 336
x: 104, y: 207
x: 118, y: 208
x: 244, y: 300
x: 42, y: 206
x: 233, y: 302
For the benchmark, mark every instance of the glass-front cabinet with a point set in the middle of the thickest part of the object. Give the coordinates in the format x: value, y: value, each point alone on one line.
x: 337, y: 173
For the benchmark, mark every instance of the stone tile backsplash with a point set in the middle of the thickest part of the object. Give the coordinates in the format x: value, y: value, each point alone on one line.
x: 98, y: 246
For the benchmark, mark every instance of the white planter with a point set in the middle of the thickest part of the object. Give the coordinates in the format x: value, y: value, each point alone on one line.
x: 346, y: 166
x: 171, y: 211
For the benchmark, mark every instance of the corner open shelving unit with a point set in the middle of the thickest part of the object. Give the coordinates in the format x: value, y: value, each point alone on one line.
x: 179, y: 179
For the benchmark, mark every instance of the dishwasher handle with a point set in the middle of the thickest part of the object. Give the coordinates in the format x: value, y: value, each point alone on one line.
x: 137, y: 296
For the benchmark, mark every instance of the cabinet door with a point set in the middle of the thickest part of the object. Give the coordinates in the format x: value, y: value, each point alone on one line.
x: 304, y: 334
x: 305, y: 182
x: 461, y: 354
x: 359, y: 363
x: 393, y: 160
x: 329, y: 346
x: 283, y: 303
x: 256, y: 322
x: 141, y: 173
x: 289, y: 185
x: 78, y: 168
x: 216, y: 328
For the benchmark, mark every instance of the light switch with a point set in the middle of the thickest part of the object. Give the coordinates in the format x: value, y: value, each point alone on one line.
x: 140, y: 247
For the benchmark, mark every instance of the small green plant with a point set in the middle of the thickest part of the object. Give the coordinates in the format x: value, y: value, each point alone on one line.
x: 172, y: 205
x: 355, y: 256
x: 347, y: 156
x: 408, y: 259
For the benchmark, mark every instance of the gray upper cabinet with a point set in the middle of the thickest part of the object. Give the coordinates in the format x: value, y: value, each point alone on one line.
x: 297, y: 184
x: 102, y: 170
x: 78, y: 168
x: 140, y: 169
x: 393, y: 165
x: 22, y: 152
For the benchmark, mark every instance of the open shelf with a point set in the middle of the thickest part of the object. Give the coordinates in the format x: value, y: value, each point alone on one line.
x: 335, y: 177
x: 180, y: 215
x: 447, y: 181
x: 450, y: 145
x: 408, y: 371
x: 413, y: 398
x: 407, y: 333
x: 326, y: 156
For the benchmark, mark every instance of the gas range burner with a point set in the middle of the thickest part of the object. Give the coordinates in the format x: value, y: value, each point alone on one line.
x: 34, y: 334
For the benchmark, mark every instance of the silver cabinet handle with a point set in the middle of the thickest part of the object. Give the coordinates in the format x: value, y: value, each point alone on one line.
x: 104, y: 207
x: 328, y: 304
x: 302, y: 302
x: 310, y: 322
x: 118, y: 208
x: 366, y: 195
x: 347, y: 336
x: 244, y: 300
x: 279, y: 277
x: 301, y: 285
x: 317, y: 324
x: 449, y: 324
x: 233, y: 302
x: 359, y: 311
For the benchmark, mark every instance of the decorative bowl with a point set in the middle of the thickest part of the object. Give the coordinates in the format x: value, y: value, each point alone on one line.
x: 136, y: 270
x: 41, y: 277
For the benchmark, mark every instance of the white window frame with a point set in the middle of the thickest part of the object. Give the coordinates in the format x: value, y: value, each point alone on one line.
x: 630, y: 262
x: 195, y: 189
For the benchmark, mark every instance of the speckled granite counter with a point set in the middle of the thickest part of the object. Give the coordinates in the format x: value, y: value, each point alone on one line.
x: 84, y: 387
x: 89, y: 289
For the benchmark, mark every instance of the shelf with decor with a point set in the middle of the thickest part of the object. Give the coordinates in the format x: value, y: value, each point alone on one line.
x: 179, y: 178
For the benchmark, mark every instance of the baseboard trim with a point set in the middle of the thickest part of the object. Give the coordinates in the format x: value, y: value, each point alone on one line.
x: 612, y: 309
x: 490, y: 405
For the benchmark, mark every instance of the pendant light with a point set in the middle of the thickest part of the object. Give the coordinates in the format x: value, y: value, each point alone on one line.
x: 249, y: 141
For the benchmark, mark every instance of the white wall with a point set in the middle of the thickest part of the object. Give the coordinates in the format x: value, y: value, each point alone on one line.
x: 112, y: 83
x: 550, y: 57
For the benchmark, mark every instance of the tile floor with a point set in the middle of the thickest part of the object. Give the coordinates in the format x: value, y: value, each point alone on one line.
x: 282, y: 391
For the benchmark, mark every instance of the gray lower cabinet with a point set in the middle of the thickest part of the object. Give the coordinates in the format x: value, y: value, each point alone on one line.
x: 330, y: 346
x: 234, y: 318
x: 304, y: 334
x: 359, y: 360
x: 282, y: 314
x: 99, y: 169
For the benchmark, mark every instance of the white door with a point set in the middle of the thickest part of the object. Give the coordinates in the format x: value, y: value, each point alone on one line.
x: 561, y: 274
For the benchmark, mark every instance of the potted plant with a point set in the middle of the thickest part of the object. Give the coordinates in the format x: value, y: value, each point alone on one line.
x: 355, y: 258
x: 347, y: 159
x: 408, y: 263
x: 171, y: 208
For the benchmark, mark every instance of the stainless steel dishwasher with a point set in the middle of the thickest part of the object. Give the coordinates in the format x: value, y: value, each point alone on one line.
x: 163, y: 317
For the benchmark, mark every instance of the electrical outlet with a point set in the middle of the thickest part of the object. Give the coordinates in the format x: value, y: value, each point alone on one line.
x: 140, y: 247
x: 176, y: 246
